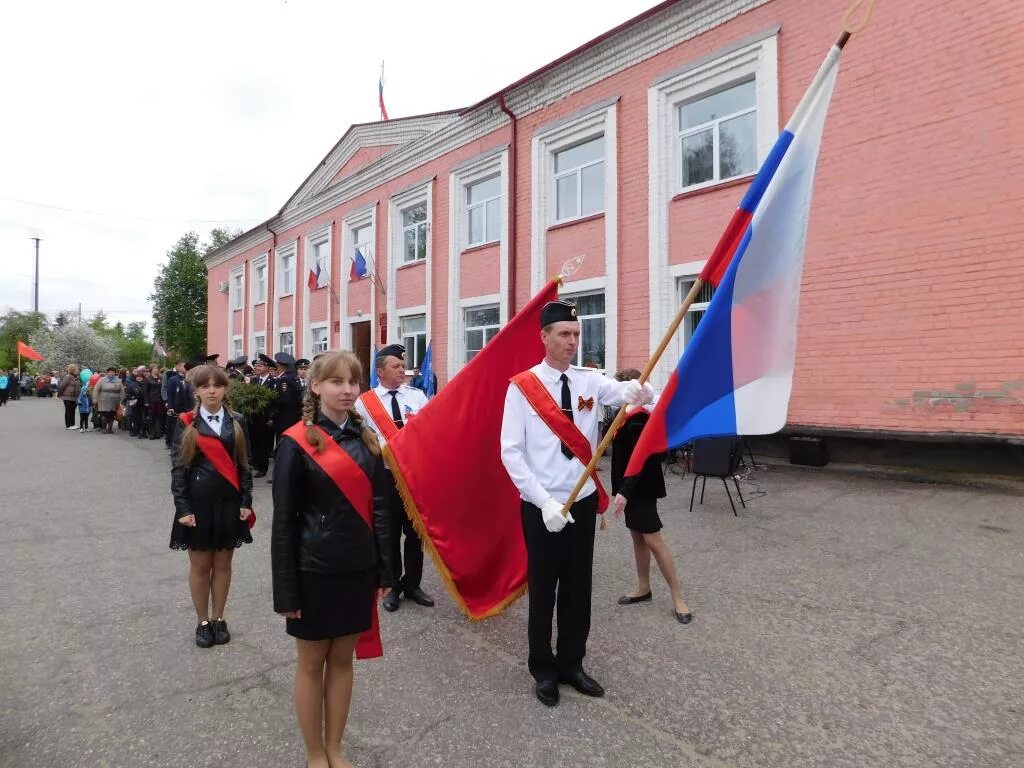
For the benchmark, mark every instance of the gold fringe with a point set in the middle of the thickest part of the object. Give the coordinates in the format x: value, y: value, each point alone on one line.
x: 413, y: 512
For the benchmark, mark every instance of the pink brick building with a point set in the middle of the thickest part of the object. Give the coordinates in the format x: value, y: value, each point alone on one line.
x: 632, y: 152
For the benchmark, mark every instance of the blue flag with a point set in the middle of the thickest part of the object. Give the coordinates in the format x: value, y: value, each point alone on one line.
x: 427, y: 371
x: 374, y: 381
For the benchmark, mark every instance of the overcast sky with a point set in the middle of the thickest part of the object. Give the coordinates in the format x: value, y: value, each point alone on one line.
x: 128, y: 124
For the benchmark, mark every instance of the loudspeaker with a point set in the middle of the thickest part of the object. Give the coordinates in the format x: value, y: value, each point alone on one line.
x: 808, y: 451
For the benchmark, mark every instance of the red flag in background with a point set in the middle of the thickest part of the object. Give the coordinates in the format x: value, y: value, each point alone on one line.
x: 447, y: 461
x: 26, y: 351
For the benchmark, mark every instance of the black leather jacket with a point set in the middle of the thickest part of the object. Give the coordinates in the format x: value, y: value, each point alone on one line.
x: 315, y: 527
x: 192, y: 486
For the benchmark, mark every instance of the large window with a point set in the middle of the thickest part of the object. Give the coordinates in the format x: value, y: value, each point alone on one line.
x: 482, y: 325
x: 259, y: 345
x: 319, y: 253
x: 287, y: 270
x: 259, y: 283
x: 362, y: 237
x: 414, y: 233
x: 579, y: 180
x: 287, y: 343
x: 414, y: 338
x: 483, y: 209
x: 236, y: 290
x: 697, y: 309
x: 718, y: 135
x: 590, y: 311
x: 317, y: 340
x: 236, y: 347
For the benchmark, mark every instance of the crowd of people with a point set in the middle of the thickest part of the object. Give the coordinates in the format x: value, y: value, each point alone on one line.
x: 340, y: 538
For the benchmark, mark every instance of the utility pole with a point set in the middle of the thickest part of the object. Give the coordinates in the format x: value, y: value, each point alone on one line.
x: 35, y: 302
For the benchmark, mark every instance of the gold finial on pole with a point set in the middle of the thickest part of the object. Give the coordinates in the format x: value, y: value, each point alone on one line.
x: 852, y: 26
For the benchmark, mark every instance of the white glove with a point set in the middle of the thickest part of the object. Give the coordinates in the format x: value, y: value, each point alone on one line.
x: 551, y: 511
x: 635, y: 396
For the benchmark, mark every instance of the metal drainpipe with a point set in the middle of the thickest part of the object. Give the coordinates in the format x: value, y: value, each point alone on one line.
x: 511, y: 208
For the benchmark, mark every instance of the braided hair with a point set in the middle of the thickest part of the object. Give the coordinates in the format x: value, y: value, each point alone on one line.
x: 324, y: 367
x: 187, y: 453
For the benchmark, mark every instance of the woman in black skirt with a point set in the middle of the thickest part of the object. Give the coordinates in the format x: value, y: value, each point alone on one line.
x: 329, y: 548
x: 643, y: 492
x: 211, y: 483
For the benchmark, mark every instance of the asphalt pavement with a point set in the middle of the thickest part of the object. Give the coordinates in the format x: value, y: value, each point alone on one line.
x: 838, y: 621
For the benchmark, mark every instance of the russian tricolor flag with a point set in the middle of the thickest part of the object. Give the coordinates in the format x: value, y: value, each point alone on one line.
x: 358, y: 266
x: 736, y: 373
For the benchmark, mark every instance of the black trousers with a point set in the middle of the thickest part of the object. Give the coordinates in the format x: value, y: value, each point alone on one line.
x: 560, y: 576
x: 83, y: 420
x: 410, y: 578
x: 262, y: 438
x: 4, y: 393
x: 70, y: 406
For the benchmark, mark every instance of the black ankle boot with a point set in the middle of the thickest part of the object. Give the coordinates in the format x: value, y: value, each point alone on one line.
x: 204, y: 634
x: 220, y: 632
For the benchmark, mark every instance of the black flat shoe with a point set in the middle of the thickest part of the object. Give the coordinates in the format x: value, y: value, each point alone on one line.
x: 547, y: 692
x: 204, y: 634
x: 420, y: 597
x: 583, y: 683
x: 391, y: 601
x: 684, y: 618
x: 220, y: 632
x: 630, y: 599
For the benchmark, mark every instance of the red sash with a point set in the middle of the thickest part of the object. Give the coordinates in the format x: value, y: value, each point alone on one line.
x: 385, y: 424
x: 354, y: 486
x: 544, y: 404
x: 215, y: 452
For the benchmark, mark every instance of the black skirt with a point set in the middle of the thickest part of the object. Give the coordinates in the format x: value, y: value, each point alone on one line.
x: 218, y: 526
x: 642, y: 515
x: 334, y: 604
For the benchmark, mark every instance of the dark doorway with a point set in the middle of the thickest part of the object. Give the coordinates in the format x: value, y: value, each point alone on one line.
x: 361, y: 346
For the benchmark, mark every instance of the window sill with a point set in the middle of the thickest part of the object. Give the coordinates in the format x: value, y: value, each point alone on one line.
x: 714, y: 187
x: 257, y: 303
x: 580, y: 220
x: 285, y: 296
x: 409, y: 264
x: 480, y: 246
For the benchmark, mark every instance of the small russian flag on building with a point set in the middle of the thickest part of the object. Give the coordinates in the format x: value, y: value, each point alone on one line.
x: 380, y: 94
x: 358, y: 266
x: 314, y: 276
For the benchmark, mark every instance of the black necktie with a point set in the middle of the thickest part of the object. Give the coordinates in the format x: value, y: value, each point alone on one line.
x: 216, y: 417
x: 396, y: 413
x: 566, y: 409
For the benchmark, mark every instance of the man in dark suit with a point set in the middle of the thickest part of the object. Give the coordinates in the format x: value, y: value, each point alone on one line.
x: 288, y: 406
x: 260, y: 426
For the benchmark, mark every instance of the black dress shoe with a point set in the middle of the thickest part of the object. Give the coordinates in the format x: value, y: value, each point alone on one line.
x: 260, y: 473
x: 583, y: 683
x: 547, y: 692
x: 684, y: 618
x: 204, y: 634
x: 220, y: 632
x: 391, y: 601
x: 630, y: 599
x: 420, y: 597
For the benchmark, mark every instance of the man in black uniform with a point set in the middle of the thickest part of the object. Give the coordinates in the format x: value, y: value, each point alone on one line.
x: 234, y: 368
x: 260, y: 430
x: 288, y: 406
x: 302, y: 368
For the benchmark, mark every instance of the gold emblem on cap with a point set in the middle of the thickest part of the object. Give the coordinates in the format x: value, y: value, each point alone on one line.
x: 573, y: 311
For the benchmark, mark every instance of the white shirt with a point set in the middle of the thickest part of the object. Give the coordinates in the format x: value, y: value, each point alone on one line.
x: 410, y: 402
x: 214, y: 425
x: 532, y: 453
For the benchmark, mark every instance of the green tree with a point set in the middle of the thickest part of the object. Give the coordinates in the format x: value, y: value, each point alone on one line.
x: 218, y: 237
x: 14, y: 327
x: 63, y: 318
x: 179, y: 299
x: 133, y: 348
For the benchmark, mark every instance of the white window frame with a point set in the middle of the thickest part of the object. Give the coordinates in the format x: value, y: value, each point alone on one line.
x: 355, y: 220
x: 318, y: 239
x: 313, y: 242
x: 466, y: 327
x: 755, y: 56
x: 259, y: 287
x: 313, y: 351
x: 489, y: 237
x: 411, y: 359
x: 578, y: 172
x: 682, y: 135
x: 237, y: 346
x: 285, y: 255
x: 237, y: 288
x: 573, y: 296
x: 683, y: 285
x: 259, y: 345
x: 420, y: 229
x: 289, y: 349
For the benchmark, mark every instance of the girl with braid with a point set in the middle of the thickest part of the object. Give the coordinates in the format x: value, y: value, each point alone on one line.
x: 211, y: 483
x: 329, y: 549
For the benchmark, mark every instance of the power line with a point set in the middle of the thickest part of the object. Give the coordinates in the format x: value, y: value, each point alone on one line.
x: 130, y: 216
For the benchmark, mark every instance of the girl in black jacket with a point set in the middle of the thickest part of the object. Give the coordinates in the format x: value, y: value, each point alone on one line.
x: 211, y: 483
x: 329, y: 547
x: 643, y: 492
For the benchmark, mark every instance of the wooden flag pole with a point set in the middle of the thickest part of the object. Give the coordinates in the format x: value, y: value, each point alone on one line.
x: 850, y: 27
x: 621, y: 415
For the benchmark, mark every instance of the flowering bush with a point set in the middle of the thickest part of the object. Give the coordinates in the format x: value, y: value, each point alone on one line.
x: 80, y: 344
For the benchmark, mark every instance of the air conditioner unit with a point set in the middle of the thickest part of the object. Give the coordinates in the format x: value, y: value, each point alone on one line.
x: 222, y: 286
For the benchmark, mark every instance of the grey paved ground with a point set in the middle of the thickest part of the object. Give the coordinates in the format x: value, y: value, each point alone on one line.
x: 839, y: 622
